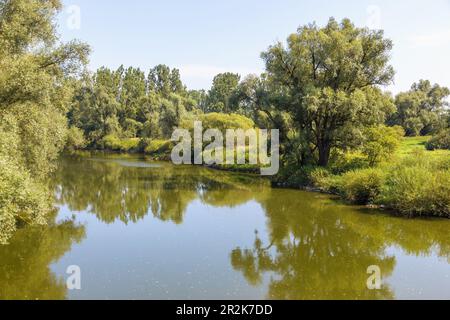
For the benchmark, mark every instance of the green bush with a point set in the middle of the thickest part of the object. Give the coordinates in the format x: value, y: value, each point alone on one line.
x: 156, y: 147
x: 296, y: 177
x: 75, y: 139
x: 361, y: 186
x: 347, y: 161
x: 220, y: 121
x: 440, y: 141
x: 381, y: 142
x: 324, y: 180
x: 113, y: 143
x: 418, y: 190
x: 22, y: 200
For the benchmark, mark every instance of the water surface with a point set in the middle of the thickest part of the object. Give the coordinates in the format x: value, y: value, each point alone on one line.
x: 146, y: 230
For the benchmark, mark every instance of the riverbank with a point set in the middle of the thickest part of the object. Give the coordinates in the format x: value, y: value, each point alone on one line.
x: 416, y: 182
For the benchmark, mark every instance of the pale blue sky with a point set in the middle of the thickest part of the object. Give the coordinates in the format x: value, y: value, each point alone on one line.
x: 203, y: 38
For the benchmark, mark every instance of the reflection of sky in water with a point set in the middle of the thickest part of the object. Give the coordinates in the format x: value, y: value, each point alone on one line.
x: 129, y: 163
x: 155, y: 231
x: 426, y: 277
x: 161, y: 260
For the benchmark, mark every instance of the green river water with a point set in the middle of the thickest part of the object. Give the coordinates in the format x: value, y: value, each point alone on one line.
x: 147, y: 230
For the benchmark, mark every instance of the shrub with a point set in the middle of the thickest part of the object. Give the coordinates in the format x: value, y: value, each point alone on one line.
x: 347, y: 161
x: 324, y: 180
x: 290, y: 176
x: 418, y: 190
x: 221, y: 121
x: 113, y: 143
x: 440, y: 141
x: 75, y: 139
x: 361, y: 186
x: 381, y: 142
x: 22, y: 200
x: 157, y: 147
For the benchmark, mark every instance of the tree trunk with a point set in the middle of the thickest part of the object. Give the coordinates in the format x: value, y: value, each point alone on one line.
x: 324, y: 153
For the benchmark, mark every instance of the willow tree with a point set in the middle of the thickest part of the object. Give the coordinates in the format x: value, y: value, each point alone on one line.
x: 329, y: 81
x: 36, y: 76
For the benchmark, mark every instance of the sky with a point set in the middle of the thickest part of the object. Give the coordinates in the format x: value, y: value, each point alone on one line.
x: 205, y: 37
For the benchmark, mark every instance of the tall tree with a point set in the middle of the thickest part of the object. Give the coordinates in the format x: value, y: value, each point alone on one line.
x: 36, y: 84
x: 421, y: 110
x: 221, y: 93
x: 328, y: 79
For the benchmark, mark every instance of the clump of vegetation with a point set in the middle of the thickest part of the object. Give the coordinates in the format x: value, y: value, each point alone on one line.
x: 381, y: 143
x: 75, y: 139
x: 417, y: 188
x: 113, y: 143
x: 361, y: 186
x: 412, y: 186
x: 440, y: 141
x: 22, y: 200
x: 157, y: 149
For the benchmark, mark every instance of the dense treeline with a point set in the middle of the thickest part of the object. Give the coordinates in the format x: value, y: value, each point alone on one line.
x: 322, y: 97
x: 323, y: 90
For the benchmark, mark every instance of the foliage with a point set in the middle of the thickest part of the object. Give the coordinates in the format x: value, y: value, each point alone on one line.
x: 113, y: 143
x: 421, y: 110
x: 328, y: 80
x: 22, y: 200
x: 75, y: 139
x: 344, y: 161
x: 381, y: 143
x: 416, y: 185
x: 157, y: 148
x: 129, y: 104
x: 420, y: 187
x: 221, y: 94
x: 36, y: 86
x: 225, y: 121
x: 440, y: 141
x: 362, y: 186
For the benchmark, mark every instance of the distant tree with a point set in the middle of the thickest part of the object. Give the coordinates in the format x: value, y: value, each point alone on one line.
x: 328, y: 80
x: 221, y: 93
x: 176, y: 85
x: 421, y: 110
x: 200, y: 97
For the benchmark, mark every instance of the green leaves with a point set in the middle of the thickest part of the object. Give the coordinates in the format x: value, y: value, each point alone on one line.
x: 329, y: 78
x: 35, y: 92
x: 421, y: 110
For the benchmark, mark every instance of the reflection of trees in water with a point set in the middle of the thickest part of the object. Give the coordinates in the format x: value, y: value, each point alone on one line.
x: 316, y: 248
x: 320, y: 250
x: 114, y: 191
x: 24, y: 268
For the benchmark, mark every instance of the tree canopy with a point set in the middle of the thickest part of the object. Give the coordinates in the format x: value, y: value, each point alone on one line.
x: 329, y: 81
x: 37, y: 73
x: 421, y: 110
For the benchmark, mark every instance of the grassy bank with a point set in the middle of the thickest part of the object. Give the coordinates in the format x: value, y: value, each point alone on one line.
x: 414, y: 182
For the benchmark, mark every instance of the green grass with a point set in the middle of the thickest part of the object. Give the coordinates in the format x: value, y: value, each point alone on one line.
x: 414, y: 182
x: 410, y: 145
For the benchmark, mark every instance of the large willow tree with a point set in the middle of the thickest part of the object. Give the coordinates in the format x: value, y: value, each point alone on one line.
x: 329, y: 80
x: 36, y: 72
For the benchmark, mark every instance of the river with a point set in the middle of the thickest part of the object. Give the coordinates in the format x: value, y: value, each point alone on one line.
x: 148, y: 230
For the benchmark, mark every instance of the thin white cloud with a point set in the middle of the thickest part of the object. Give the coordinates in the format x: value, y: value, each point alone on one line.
x: 436, y: 39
